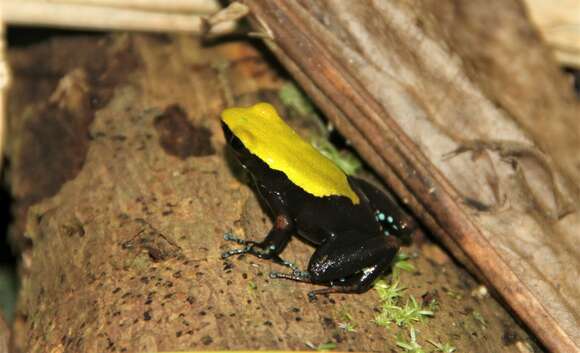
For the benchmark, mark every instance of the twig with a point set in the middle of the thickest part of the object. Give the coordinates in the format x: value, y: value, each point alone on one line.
x: 560, y: 26
x: 4, y: 80
x: 37, y: 13
x: 202, y: 7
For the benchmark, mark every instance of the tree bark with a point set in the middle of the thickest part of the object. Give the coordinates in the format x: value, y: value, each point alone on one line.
x: 461, y: 109
x: 123, y: 193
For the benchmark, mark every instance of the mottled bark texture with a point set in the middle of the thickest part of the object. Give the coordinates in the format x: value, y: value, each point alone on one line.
x: 123, y: 193
x: 460, y: 107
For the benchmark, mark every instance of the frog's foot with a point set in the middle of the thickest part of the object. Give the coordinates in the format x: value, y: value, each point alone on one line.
x: 250, y: 247
x: 256, y: 249
x: 338, y: 289
x: 296, y: 275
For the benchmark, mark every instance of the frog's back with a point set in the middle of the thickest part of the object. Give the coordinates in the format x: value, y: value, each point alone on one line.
x: 267, y: 136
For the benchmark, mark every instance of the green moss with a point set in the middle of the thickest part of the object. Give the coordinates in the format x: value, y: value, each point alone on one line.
x: 293, y: 98
x: 443, y: 347
x: 411, y: 345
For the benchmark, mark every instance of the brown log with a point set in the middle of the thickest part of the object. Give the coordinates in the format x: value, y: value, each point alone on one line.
x: 461, y: 109
x: 124, y: 191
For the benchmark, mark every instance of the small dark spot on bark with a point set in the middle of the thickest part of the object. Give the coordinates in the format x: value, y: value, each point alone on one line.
x: 244, y: 275
x: 476, y: 204
x: 119, y: 138
x: 294, y: 309
x: 74, y: 229
x: 110, y: 344
x: 429, y: 297
x: 178, y: 137
x: 147, y: 315
x: 206, y: 340
x: 190, y: 299
x: 202, y: 313
x: 159, y: 246
x: 116, y: 290
x: 509, y: 337
x: 178, y: 334
x: 328, y: 322
x: 298, y: 318
x: 268, y: 323
x: 337, y: 338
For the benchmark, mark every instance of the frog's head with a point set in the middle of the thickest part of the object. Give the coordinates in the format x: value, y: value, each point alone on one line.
x: 247, y: 129
x: 236, y: 145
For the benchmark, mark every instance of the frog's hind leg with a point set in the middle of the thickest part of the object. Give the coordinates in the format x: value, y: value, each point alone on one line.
x: 348, y: 266
x: 359, y: 284
x: 394, y: 219
x: 351, y: 264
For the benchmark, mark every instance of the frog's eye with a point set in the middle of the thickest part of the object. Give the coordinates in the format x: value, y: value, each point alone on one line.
x: 247, y: 138
x: 265, y: 111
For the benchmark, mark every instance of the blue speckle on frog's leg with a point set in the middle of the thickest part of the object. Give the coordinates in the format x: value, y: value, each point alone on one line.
x: 386, y: 233
x: 390, y: 219
x: 379, y: 216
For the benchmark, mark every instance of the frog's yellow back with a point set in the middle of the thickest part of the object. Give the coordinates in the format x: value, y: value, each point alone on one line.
x: 267, y: 136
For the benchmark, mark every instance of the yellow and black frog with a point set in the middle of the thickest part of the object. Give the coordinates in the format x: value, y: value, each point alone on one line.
x: 355, y: 227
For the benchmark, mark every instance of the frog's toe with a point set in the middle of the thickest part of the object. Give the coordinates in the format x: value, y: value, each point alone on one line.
x: 231, y: 237
x: 300, y: 276
x: 232, y: 252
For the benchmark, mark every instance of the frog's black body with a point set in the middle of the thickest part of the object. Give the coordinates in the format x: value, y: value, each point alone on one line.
x: 355, y: 242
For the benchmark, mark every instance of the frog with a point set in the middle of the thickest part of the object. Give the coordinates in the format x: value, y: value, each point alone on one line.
x: 355, y: 227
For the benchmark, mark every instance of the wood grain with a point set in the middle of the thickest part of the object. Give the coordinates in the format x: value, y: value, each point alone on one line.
x: 462, y: 110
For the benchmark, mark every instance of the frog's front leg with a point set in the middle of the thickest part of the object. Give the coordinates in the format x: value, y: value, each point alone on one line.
x: 347, y: 264
x: 270, y: 247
